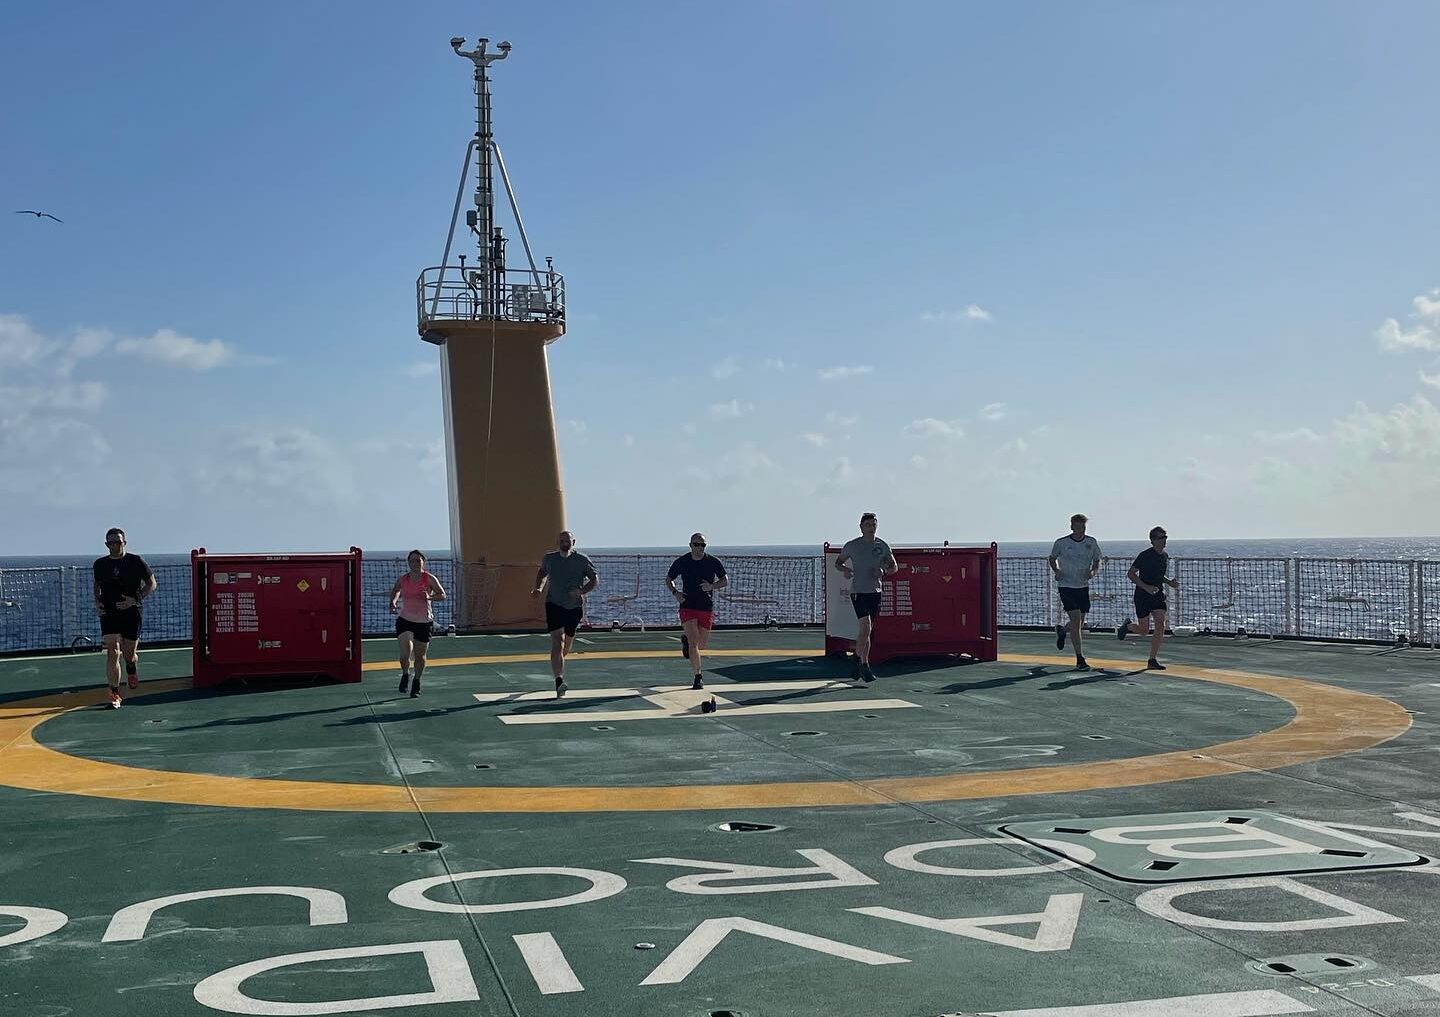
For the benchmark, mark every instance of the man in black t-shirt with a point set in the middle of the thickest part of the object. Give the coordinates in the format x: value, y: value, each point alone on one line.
x: 122, y: 582
x: 1148, y: 575
x: 700, y: 575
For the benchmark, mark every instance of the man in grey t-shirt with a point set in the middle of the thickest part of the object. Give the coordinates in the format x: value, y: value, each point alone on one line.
x: 1075, y: 559
x: 865, y: 561
x: 566, y: 576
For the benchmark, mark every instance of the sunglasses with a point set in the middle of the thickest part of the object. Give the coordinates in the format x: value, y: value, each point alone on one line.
x: 113, y: 543
x: 697, y: 543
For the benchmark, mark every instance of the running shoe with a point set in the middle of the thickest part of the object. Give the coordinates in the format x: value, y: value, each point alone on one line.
x: 1123, y: 629
x: 114, y: 699
x: 561, y: 688
x: 1154, y: 665
x: 415, y: 688
x: 866, y: 675
x: 699, y: 683
x: 1059, y: 637
x: 404, y: 682
x: 1081, y: 665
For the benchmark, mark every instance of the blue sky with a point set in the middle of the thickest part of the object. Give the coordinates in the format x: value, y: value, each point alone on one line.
x: 972, y: 266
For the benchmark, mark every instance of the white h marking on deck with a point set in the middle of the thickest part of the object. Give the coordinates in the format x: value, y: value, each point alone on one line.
x: 671, y: 702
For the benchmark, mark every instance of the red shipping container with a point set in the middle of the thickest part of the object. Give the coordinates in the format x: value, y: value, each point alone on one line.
x: 943, y: 600
x: 275, y: 614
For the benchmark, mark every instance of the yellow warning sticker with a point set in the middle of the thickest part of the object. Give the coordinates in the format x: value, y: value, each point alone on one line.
x: 303, y: 585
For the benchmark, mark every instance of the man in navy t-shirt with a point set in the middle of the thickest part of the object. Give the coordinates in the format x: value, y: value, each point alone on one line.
x: 122, y: 582
x: 1148, y: 575
x: 700, y: 575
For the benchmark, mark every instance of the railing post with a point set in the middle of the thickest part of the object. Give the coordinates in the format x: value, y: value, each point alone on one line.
x: 1289, y: 594
x: 1410, y: 622
x: 1299, y: 630
x: 64, y: 612
x: 1179, y: 618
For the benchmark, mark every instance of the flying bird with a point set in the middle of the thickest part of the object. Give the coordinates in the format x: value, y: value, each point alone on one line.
x: 31, y: 211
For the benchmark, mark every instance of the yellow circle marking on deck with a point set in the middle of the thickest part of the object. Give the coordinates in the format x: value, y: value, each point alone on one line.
x: 1328, y: 722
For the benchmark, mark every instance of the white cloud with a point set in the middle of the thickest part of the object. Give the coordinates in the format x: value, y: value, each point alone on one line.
x: 1433, y: 380
x: 82, y: 396
x: 1407, y: 432
x: 993, y: 412
x: 776, y: 364
x: 422, y: 368
x: 971, y: 312
x: 816, y: 439
x: 1013, y: 447
x: 727, y: 368
x: 841, y: 477
x: 175, y: 350
x: 20, y: 344
x: 288, y: 466
x: 844, y: 373
x: 919, y: 463
x: 741, y: 465
x: 1300, y: 435
x: 577, y: 427
x: 1422, y: 335
x: 729, y: 411
x: 929, y: 427
x: 1393, y: 338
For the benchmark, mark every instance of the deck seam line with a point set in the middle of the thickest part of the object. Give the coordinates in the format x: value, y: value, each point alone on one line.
x: 444, y: 862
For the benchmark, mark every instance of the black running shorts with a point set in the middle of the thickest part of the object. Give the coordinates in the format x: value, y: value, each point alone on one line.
x: 867, y: 605
x: 125, y: 624
x: 1147, y: 602
x: 420, y: 630
x: 1075, y: 598
x: 567, y: 618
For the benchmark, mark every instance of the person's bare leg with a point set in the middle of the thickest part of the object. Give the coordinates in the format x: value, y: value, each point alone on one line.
x: 557, y: 654
x: 866, y: 626
x: 112, y: 663
x: 696, y: 635
x: 421, y: 649
x: 406, y: 640
x: 1077, y: 629
x: 1158, y: 636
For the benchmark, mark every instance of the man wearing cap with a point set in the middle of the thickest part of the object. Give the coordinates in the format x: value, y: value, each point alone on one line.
x: 1075, y: 560
x: 700, y: 575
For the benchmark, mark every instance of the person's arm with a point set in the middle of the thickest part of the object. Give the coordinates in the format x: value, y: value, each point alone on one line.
x: 395, y: 597
x: 891, y: 566
x: 589, y: 581
x: 1054, y: 560
x: 1095, y: 562
x: 437, y: 592
x: 845, y: 569
x: 539, y: 581
x: 670, y: 584
x: 718, y: 583
x: 1134, y: 576
x: 99, y: 599
x: 147, y: 587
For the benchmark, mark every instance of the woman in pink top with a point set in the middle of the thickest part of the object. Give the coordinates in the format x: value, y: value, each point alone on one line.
x: 410, y: 597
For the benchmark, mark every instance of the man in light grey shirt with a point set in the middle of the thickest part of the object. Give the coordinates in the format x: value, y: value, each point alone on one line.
x: 866, y: 561
x: 1075, y: 559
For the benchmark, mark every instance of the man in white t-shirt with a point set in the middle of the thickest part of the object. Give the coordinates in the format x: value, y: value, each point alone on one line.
x: 1075, y: 559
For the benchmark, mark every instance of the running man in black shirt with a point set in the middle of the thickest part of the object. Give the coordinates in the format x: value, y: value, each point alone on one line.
x: 700, y: 576
x: 1148, y: 575
x: 122, y: 581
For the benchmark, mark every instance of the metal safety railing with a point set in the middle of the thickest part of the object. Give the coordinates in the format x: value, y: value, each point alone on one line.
x: 1370, y: 600
x: 455, y: 293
